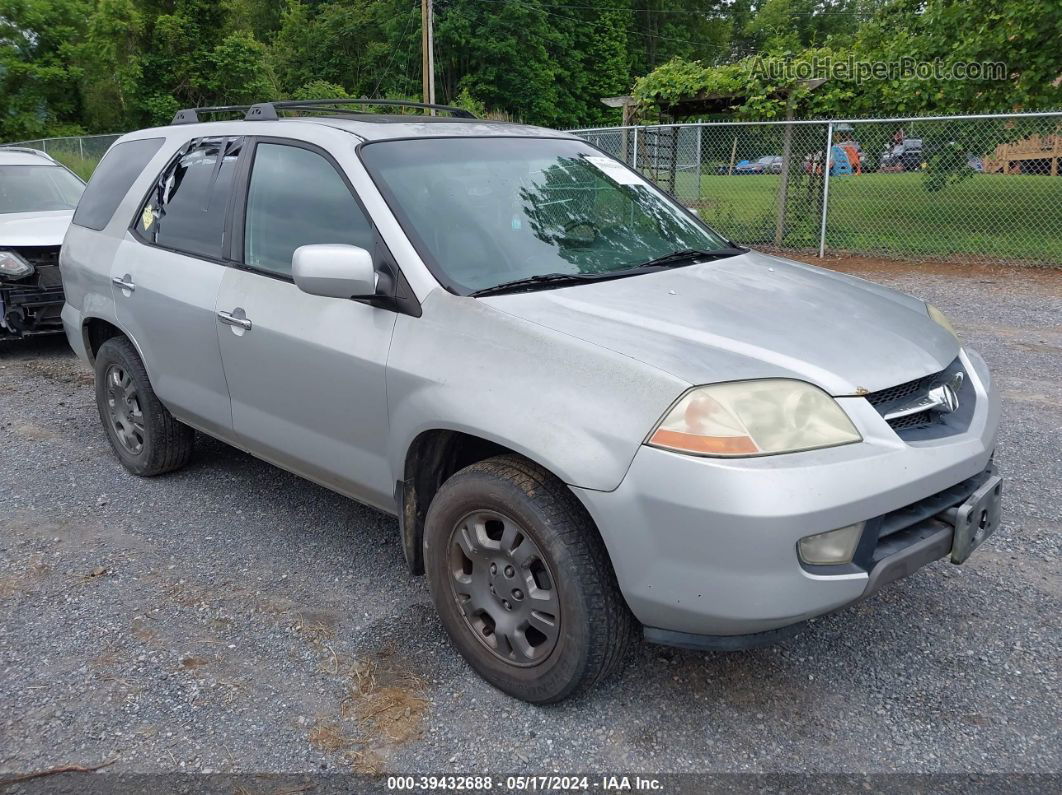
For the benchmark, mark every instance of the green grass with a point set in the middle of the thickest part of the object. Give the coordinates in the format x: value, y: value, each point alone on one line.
x: 988, y: 216
x: 82, y: 166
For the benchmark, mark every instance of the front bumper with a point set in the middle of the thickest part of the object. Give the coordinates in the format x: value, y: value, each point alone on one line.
x: 707, y: 546
x: 30, y: 310
x: 33, y: 305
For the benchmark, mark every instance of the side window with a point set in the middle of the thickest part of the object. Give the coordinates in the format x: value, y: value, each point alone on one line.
x: 112, y: 179
x: 297, y: 198
x: 186, y: 209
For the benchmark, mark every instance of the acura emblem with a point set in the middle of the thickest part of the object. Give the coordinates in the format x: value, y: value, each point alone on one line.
x: 943, y: 398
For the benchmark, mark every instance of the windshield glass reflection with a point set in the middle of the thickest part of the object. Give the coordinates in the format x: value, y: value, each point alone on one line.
x: 484, y: 211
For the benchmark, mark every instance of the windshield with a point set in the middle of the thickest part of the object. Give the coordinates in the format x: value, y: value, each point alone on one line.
x: 29, y: 189
x: 488, y: 211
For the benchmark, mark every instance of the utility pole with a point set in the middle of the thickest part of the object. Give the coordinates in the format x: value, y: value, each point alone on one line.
x: 427, y: 54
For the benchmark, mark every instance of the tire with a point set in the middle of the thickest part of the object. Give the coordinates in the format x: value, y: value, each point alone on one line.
x: 147, y: 439
x: 564, y: 575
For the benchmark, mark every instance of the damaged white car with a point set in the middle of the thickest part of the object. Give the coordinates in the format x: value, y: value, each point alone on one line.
x: 37, y: 200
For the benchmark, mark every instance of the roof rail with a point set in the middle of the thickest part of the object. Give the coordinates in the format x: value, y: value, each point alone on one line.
x: 267, y: 111
x: 191, y: 115
x: 27, y: 150
x: 310, y: 104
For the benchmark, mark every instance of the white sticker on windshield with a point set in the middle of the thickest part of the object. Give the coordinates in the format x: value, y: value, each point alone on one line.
x: 615, y: 171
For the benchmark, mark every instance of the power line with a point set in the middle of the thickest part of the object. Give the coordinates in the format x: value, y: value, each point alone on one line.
x: 692, y: 13
x: 617, y: 8
x: 721, y: 18
x: 391, y: 60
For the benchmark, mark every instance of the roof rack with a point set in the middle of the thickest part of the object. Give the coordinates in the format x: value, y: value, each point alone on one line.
x: 27, y: 150
x: 267, y: 111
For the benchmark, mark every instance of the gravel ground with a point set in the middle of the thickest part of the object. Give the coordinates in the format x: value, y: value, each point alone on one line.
x: 232, y: 617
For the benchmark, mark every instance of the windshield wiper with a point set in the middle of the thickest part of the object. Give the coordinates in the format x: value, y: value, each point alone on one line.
x: 543, y: 279
x: 687, y: 256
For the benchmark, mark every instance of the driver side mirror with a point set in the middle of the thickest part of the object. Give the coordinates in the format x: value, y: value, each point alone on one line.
x: 334, y: 270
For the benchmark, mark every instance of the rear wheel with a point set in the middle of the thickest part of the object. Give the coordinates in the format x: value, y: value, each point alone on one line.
x: 147, y: 439
x: 522, y: 581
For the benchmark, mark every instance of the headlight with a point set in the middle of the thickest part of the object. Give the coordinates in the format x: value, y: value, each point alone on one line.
x: 941, y: 319
x: 746, y: 418
x: 12, y: 266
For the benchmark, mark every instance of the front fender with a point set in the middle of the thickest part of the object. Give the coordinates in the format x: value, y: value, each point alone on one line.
x: 571, y: 406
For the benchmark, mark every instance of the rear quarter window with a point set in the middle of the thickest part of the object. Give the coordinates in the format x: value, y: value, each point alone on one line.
x: 112, y: 179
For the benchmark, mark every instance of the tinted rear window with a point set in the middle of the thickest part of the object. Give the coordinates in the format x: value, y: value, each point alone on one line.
x: 112, y: 179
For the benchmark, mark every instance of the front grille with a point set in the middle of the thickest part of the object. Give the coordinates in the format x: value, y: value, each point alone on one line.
x: 895, y: 397
x: 894, y: 394
x: 920, y: 420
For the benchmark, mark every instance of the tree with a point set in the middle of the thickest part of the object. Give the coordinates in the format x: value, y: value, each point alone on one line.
x: 1022, y: 34
x: 367, y: 47
x: 506, y: 55
x: 38, y: 81
x: 605, y: 63
x: 688, y: 29
x: 111, y: 65
x: 261, y: 18
x: 239, y: 73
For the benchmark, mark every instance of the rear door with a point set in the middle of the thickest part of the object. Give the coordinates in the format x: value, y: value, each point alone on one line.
x: 167, y: 275
x: 305, y: 373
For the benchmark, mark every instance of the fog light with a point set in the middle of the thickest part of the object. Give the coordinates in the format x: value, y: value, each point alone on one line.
x: 833, y: 547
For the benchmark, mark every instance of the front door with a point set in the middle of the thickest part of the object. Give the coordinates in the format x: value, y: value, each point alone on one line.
x: 305, y: 373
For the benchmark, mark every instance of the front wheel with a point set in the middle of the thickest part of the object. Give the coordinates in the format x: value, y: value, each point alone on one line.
x: 522, y: 581
x: 147, y: 439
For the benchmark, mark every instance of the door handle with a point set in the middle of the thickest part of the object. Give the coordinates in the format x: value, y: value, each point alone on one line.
x: 125, y: 282
x: 231, y: 320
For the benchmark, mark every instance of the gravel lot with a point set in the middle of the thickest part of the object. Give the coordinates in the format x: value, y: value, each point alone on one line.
x: 232, y: 617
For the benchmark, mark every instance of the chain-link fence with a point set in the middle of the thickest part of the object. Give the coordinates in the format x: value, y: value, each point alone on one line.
x: 79, y: 153
x: 964, y: 188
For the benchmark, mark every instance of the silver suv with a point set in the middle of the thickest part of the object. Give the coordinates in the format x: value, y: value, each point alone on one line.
x: 590, y: 413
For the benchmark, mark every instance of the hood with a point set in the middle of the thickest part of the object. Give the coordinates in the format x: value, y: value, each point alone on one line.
x: 34, y: 229
x: 750, y: 316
